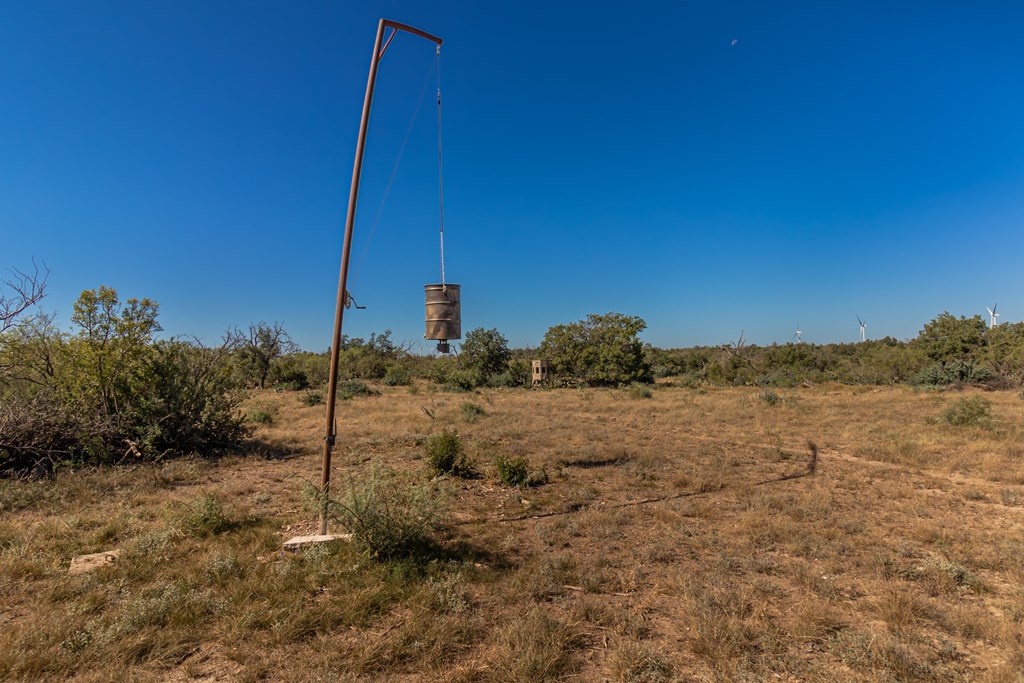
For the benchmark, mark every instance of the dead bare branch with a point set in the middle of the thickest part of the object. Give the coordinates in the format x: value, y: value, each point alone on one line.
x: 20, y: 292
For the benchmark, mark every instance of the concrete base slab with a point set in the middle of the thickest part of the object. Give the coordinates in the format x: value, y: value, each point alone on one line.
x: 87, y: 563
x: 302, y: 541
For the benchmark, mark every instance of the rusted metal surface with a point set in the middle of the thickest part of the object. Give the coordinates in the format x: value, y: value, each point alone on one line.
x: 332, y: 382
x: 411, y: 29
x: 443, y: 312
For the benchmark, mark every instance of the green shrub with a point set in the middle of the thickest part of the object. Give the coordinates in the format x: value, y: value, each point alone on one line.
x: 975, y: 411
x: 601, y: 350
x: 462, y: 380
x: 486, y: 353
x: 398, y: 376
x: 954, y: 372
x: 638, y: 390
x: 354, y: 387
x: 285, y: 373
x: 512, y: 471
x: 768, y: 396
x: 109, y: 386
x: 391, y: 519
x: 505, y: 380
x: 445, y: 454
x: 262, y: 416
x: 312, y: 398
x: 471, y: 412
x: 455, y: 374
x: 191, y: 405
x: 205, y: 517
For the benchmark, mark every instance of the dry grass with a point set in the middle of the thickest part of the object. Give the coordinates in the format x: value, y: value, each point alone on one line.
x: 900, y: 559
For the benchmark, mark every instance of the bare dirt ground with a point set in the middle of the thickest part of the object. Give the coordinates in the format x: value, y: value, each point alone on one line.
x: 679, y: 536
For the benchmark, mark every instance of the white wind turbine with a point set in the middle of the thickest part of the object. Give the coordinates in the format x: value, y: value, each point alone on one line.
x: 863, y: 326
x: 992, y: 316
x: 797, y: 335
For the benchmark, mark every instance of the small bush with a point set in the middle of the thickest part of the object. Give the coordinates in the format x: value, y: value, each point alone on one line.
x: 471, y: 412
x: 222, y: 568
x: 445, y: 454
x: 260, y: 416
x: 1011, y: 498
x: 205, y: 517
x: 463, y: 380
x: 506, y: 380
x: 353, y: 387
x: 286, y: 376
x: 975, y: 411
x: 398, y: 376
x: 634, y: 662
x: 312, y: 398
x: 954, y: 372
x: 512, y: 471
x: 959, y: 575
x: 768, y: 396
x: 638, y: 390
x: 389, y: 519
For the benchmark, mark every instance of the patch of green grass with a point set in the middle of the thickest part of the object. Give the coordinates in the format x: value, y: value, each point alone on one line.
x: 512, y: 471
x: 392, y: 519
x: 638, y: 390
x: 205, y: 517
x: 471, y: 412
x: 398, y: 376
x: 975, y: 411
x: 260, y: 416
x: 445, y: 455
x: 351, y: 388
x: 16, y: 494
x: 312, y: 397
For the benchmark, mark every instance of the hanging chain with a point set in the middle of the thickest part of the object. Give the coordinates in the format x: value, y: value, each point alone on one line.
x: 440, y: 166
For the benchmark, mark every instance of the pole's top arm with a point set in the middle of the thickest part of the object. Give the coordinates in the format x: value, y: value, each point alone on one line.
x: 411, y: 29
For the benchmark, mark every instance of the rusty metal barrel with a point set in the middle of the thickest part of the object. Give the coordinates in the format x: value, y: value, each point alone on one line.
x: 444, y: 312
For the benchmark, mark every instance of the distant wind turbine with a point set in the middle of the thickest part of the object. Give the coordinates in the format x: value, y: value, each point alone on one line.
x: 992, y: 316
x: 863, y: 327
x: 797, y: 335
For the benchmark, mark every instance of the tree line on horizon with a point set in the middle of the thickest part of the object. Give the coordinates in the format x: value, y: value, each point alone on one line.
x: 108, y: 390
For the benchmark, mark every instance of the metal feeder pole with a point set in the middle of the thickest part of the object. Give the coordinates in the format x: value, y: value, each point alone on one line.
x: 332, y: 382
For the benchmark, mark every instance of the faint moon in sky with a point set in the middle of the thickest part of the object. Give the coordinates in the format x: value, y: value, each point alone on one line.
x: 734, y: 41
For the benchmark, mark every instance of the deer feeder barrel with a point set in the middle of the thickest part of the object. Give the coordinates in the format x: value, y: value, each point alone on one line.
x: 444, y: 312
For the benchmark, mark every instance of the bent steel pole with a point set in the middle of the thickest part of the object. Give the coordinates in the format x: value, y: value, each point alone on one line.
x: 330, y: 434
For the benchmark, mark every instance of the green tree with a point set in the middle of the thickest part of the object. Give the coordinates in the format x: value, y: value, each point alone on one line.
x: 112, y: 349
x: 1005, y: 350
x: 192, y: 403
x: 603, y: 349
x: 361, y: 359
x: 259, y: 349
x: 948, y: 338
x: 486, y: 352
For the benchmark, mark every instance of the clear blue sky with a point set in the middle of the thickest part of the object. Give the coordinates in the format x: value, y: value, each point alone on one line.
x: 710, y: 166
